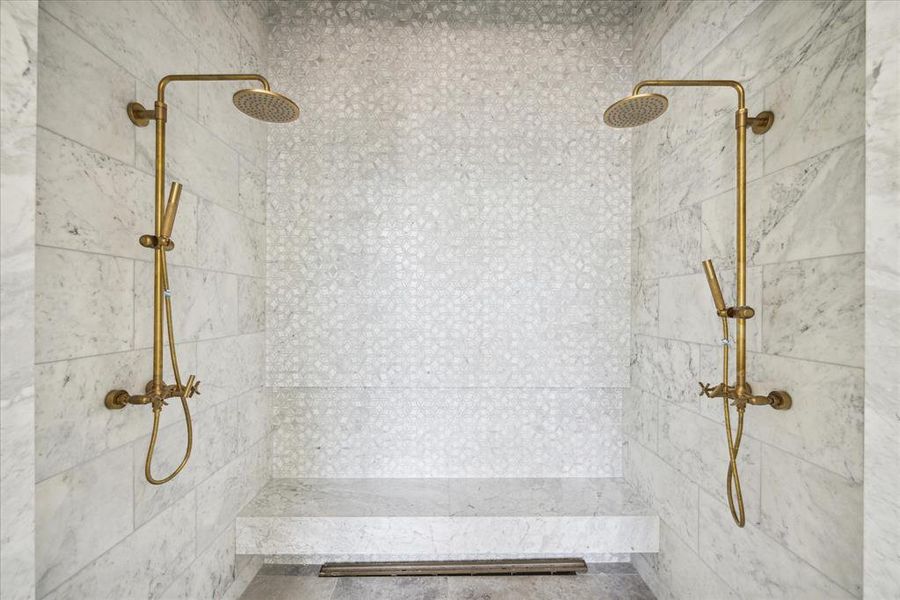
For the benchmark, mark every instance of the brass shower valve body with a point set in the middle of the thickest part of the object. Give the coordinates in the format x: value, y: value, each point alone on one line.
x: 778, y: 399
x: 156, y: 394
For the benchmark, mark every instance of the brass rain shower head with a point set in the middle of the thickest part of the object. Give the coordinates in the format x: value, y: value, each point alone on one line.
x: 635, y: 110
x: 266, y: 105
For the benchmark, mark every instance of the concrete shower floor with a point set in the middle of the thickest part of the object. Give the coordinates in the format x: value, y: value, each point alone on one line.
x: 606, y: 581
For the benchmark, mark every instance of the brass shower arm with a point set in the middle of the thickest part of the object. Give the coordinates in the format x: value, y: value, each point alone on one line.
x: 165, y: 81
x: 141, y: 116
x: 736, y: 86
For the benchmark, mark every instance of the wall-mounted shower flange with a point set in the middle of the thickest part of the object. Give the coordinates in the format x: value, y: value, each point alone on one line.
x: 762, y: 122
x: 139, y: 115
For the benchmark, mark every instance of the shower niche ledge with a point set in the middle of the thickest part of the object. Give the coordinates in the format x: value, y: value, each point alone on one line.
x: 319, y: 520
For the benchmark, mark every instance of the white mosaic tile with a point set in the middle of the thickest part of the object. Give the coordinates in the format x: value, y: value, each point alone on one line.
x: 448, y: 219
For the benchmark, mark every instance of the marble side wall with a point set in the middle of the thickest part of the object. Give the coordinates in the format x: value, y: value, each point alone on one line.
x: 881, y: 565
x: 802, y: 470
x: 448, y: 242
x: 102, y: 530
x: 18, y: 92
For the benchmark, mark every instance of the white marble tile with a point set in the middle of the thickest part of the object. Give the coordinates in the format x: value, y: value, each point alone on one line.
x: 72, y: 425
x: 206, y: 166
x: 709, y: 153
x: 204, y: 304
x: 881, y: 509
x: 697, y: 447
x: 211, y: 573
x: 351, y: 517
x: 668, y: 369
x: 688, y: 312
x: 807, y: 210
x: 18, y: 72
x: 215, y: 445
x: 773, y: 40
x: 83, y: 304
x: 797, y: 499
x: 684, y: 573
x: 221, y: 497
x: 776, y: 572
x: 674, y: 244
x: 671, y: 493
x: 698, y: 30
x: 119, y: 32
x: 168, y: 539
x: 813, y: 309
x: 252, y: 193
x: 825, y: 422
x: 251, y: 304
x: 830, y: 82
x: 434, y: 537
x: 640, y: 417
x: 229, y: 242
x: 254, y: 417
x: 512, y: 497
x: 89, y: 201
x: 72, y: 73
x: 81, y: 513
x: 229, y: 366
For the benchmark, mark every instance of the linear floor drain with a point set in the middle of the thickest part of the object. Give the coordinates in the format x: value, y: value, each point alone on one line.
x: 529, y: 566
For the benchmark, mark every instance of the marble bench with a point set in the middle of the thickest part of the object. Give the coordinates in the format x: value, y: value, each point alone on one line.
x: 318, y: 520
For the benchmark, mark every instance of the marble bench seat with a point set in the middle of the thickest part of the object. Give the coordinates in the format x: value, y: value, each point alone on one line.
x: 317, y: 520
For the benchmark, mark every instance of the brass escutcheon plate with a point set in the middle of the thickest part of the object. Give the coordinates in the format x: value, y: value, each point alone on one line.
x: 763, y: 122
x: 135, y: 113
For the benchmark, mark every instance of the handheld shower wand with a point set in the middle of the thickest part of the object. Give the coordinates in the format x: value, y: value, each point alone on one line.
x: 259, y: 103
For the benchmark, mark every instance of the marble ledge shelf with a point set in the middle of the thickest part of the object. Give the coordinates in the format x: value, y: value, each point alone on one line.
x: 444, y: 519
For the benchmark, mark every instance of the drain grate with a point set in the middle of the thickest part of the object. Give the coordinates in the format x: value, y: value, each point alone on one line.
x: 528, y: 566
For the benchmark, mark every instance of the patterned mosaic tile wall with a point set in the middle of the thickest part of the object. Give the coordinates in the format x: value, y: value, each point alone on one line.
x: 449, y: 239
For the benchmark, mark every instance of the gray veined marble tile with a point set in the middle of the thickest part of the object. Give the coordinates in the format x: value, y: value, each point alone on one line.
x: 773, y: 40
x: 18, y: 73
x: 229, y: 242
x: 670, y: 492
x: 72, y: 75
x: 666, y: 368
x: 252, y: 193
x: 778, y: 572
x: 698, y: 30
x: 807, y: 210
x: 206, y: 166
x: 230, y: 366
x: 251, y: 304
x: 215, y: 445
x: 72, y: 425
x: 830, y: 83
x: 697, y: 447
x: 204, y: 304
x: 169, y: 539
x: 80, y: 514
x: 825, y: 423
x: 210, y: 574
x: 118, y: 31
x: 813, y: 309
x: 684, y: 573
x: 797, y: 499
x: 640, y: 417
x: 83, y: 304
x: 88, y: 201
x: 687, y: 311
